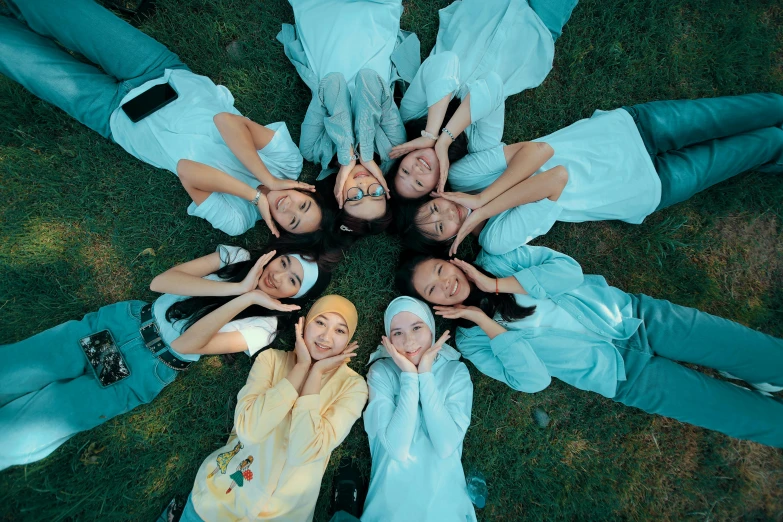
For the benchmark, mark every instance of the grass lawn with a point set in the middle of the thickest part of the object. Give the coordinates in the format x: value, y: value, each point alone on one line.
x: 83, y: 224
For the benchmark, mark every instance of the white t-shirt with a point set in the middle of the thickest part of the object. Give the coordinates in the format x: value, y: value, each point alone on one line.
x: 610, y: 173
x: 185, y: 129
x: 258, y: 332
x: 363, y: 35
x: 610, y: 176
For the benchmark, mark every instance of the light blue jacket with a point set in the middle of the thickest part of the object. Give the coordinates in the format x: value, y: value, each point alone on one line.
x: 527, y: 358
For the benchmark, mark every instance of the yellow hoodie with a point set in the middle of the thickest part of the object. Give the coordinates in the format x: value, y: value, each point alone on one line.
x: 272, y: 465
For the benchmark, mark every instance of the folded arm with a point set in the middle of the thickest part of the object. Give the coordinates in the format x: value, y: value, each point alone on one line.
x: 245, y: 138
x: 447, y: 412
x: 262, y: 406
x: 313, y: 434
x: 393, y: 424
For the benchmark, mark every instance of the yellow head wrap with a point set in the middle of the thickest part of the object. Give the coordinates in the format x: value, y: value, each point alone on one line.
x: 339, y: 305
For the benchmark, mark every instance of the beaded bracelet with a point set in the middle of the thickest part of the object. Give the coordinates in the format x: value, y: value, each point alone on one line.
x: 447, y: 131
x: 429, y: 135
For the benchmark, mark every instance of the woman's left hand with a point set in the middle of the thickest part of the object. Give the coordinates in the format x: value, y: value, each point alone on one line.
x: 335, y: 361
x: 482, y: 282
x: 427, y: 360
x: 471, y: 201
x: 471, y: 222
x: 410, y: 146
x: 266, y: 214
x: 375, y: 170
x: 442, y: 152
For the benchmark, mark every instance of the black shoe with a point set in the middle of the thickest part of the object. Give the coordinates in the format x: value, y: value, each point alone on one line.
x: 347, y: 488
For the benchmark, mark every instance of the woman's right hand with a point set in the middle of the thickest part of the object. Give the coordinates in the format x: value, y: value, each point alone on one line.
x: 399, y: 359
x: 339, y: 183
x: 473, y: 314
x: 266, y: 214
x: 261, y: 298
x: 300, y: 348
x: 410, y: 146
x: 250, y: 282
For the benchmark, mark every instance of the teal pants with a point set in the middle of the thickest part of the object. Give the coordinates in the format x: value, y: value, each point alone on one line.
x: 695, y: 144
x: 48, y: 391
x: 30, y: 56
x: 677, y: 334
x: 554, y: 14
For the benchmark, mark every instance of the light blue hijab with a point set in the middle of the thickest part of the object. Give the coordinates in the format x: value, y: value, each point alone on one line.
x: 421, y: 310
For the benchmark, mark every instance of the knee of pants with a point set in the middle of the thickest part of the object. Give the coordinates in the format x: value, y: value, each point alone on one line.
x: 775, y: 104
x: 335, y: 79
x: 370, y: 79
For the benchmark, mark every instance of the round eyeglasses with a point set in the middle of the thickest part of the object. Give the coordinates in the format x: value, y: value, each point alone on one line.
x: 374, y: 191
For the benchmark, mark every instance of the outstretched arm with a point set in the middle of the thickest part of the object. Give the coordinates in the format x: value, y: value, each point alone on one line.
x: 245, y: 138
x: 201, y: 180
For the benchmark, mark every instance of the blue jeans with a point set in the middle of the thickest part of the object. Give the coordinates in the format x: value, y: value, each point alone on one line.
x: 30, y: 56
x: 554, y: 14
x: 695, y: 144
x: 48, y: 391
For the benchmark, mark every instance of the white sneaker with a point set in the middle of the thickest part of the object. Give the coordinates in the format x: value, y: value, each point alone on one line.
x: 761, y: 386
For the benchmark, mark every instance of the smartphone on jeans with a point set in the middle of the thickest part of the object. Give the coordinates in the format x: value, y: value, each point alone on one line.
x: 151, y: 100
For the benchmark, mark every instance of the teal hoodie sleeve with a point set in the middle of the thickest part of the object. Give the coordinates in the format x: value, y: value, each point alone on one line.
x: 541, y: 271
x: 447, y: 412
x: 508, y: 358
x: 437, y: 77
x: 390, y: 416
x: 487, y: 113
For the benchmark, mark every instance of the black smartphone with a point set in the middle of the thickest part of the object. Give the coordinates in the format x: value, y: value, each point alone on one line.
x: 154, y: 98
x: 105, y: 358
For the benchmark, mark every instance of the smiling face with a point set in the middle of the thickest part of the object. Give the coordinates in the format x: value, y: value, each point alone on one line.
x: 295, y: 211
x: 410, y: 335
x: 369, y: 207
x: 326, y: 335
x: 282, y: 277
x: 418, y: 174
x: 439, y: 282
x: 440, y: 219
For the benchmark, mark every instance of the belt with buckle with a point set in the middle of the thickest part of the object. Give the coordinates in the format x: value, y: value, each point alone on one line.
x: 151, y: 337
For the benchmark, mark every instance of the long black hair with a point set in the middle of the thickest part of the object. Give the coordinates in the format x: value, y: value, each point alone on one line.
x: 457, y: 150
x: 406, y: 224
x: 192, y: 309
x: 348, y: 228
x: 489, y: 303
x: 323, y: 244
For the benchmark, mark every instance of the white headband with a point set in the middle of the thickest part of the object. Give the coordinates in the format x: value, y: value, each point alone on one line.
x: 310, y: 270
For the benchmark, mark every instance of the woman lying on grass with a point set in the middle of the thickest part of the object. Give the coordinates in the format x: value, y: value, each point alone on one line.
x: 235, y: 170
x: 454, y: 109
x: 350, y: 54
x: 623, y: 164
x: 80, y: 374
x: 295, y: 409
x: 530, y: 315
x: 420, y: 403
